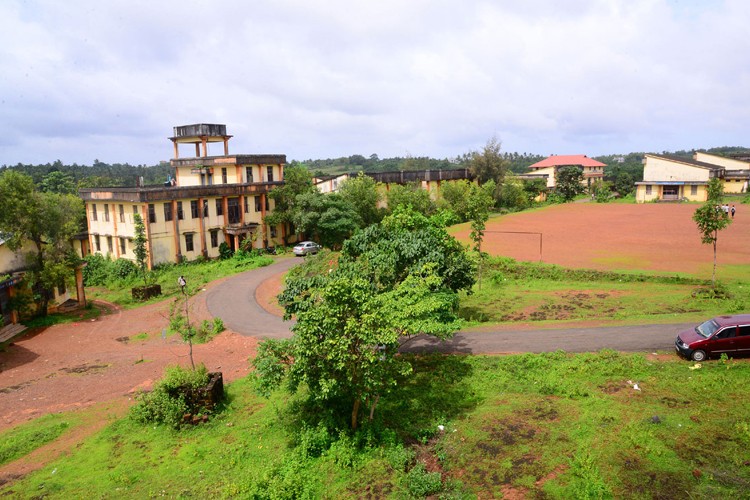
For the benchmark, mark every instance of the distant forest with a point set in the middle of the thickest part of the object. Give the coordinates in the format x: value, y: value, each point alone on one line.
x: 102, y: 174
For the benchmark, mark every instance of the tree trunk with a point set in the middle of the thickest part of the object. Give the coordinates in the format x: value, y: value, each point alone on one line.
x: 355, y: 412
x: 713, y: 274
x: 374, y: 405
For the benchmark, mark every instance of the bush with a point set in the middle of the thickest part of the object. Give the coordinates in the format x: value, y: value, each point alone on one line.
x: 123, y: 269
x: 96, y: 270
x: 421, y: 483
x: 224, y: 251
x: 167, y: 402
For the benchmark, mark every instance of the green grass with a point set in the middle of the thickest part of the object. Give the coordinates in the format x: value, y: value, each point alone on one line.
x: 197, y: 274
x: 88, y: 313
x: 26, y: 438
x: 542, y: 425
x: 514, y: 291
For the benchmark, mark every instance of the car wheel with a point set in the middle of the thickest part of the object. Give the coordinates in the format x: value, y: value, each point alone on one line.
x: 698, y: 356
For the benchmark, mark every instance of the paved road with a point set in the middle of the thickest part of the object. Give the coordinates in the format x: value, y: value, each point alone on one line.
x: 234, y: 302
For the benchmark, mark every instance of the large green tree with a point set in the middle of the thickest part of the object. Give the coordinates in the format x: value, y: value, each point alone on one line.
x: 712, y: 218
x: 328, y: 218
x: 489, y: 163
x: 297, y: 181
x: 362, y: 193
x: 46, y: 220
x: 393, y: 280
x: 568, y: 182
x: 412, y: 195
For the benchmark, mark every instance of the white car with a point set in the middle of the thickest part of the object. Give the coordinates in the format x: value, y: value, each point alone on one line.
x: 306, y: 247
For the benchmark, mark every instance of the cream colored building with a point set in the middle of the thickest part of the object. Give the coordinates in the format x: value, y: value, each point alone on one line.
x: 593, y: 170
x: 672, y: 178
x: 429, y: 180
x: 211, y: 200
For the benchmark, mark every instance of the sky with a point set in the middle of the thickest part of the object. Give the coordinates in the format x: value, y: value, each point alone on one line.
x: 108, y: 80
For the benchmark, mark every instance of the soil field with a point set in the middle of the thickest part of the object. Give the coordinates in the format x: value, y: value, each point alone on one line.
x: 658, y: 237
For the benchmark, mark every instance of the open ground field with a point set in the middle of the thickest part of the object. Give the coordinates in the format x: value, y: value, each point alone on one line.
x: 652, y: 237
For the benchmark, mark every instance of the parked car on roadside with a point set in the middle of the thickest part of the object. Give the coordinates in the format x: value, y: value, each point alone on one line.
x: 717, y: 336
x: 306, y: 247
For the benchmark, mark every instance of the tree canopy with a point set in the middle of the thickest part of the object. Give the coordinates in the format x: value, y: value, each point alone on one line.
x: 712, y: 218
x: 393, y: 280
x: 48, y: 221
x: 568, y: 182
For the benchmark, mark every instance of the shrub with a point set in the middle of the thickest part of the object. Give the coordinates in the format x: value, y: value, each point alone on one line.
x: 96, y: 270
x: 123, y: 269
x: 224, y: 251
x: 167, y: 403
x: 421, y: 483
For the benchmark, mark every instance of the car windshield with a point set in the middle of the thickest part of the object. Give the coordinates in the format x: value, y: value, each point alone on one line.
x: 707, y: 329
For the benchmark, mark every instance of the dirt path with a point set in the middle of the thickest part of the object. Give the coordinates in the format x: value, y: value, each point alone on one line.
x: 71, y: 366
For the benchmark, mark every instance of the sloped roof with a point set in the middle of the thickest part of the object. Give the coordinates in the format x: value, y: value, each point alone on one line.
x: 688, y: 161
x: 565, y: 160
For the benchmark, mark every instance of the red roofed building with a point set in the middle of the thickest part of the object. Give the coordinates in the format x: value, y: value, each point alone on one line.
x: 593, y: 170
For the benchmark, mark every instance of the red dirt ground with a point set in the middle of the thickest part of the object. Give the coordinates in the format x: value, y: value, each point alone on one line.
x: 614, y: 236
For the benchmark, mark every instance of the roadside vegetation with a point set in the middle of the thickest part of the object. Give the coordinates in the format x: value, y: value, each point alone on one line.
x: 112, y: 280
x: 550, y: 295
x: 541, y: 425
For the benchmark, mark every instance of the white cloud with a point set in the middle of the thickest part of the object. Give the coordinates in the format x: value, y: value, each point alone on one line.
x: 84, y: 79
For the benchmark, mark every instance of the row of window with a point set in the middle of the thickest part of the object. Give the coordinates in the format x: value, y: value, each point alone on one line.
x: 109, y: 240
x: 207, y: 179
x: 95, y: 216
x: 232, y: 206
x: 693, y: 190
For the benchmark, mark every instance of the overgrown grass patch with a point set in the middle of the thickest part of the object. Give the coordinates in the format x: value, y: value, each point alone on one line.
x: 551, y: 425
x: 26, y: 438
x: 514, y: 291
x: 196, y: 273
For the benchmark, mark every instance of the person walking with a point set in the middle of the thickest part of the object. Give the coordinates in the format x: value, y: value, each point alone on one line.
x: 733, y: 210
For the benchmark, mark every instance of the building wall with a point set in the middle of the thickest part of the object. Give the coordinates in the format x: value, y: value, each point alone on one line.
x: 735, y: 186
x: 163, y: 245
x: 649, y: 192
x: 235, y: 174
x: 660, y: 169
x: 727, y: 163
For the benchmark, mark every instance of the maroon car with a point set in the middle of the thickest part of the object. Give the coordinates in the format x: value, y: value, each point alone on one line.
x: 722, y: 334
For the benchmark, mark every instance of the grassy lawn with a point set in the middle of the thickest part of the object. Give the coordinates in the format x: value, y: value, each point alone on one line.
x: 196, y: 274
x: 543, y: 425
x: 547, y: 294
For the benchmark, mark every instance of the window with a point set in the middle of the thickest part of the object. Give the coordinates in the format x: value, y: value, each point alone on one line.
x: 727, y: 333
x: 151, y: 213
x: 122, y: 213
x: 223, y: 175
x: 135, y: 209
x: 273, y: 231
x: 122, y: 246
x: 180, y: 213
x: 61, y: 288
x: 233, y: 207
x: 648, y: 190
x: 93, y: 212
x: 693, y: 190
x: 106, y: 212
x: 249, y: 174
x: 210, y: 178
x: 109, y: 244
x: 219, y: 206
x: 247, y: 205
x: 205, y: 209
x: 214, y: 239
x: 743, y: 331
x: 269, y: 171
x: 194, y: 209
x: 97, y: 243
x: 268, y: 207
x: 257, y: 203
x: 189, y: 242
x: 167, y: 212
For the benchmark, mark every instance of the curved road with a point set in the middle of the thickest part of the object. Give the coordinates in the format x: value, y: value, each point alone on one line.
x: 234, y: 302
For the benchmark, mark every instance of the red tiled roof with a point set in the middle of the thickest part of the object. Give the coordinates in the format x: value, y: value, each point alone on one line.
x: 564, y: 160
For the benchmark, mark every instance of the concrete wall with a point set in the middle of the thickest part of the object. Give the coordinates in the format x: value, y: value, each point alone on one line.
x: 727, y: 163
x: 659, y: 169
